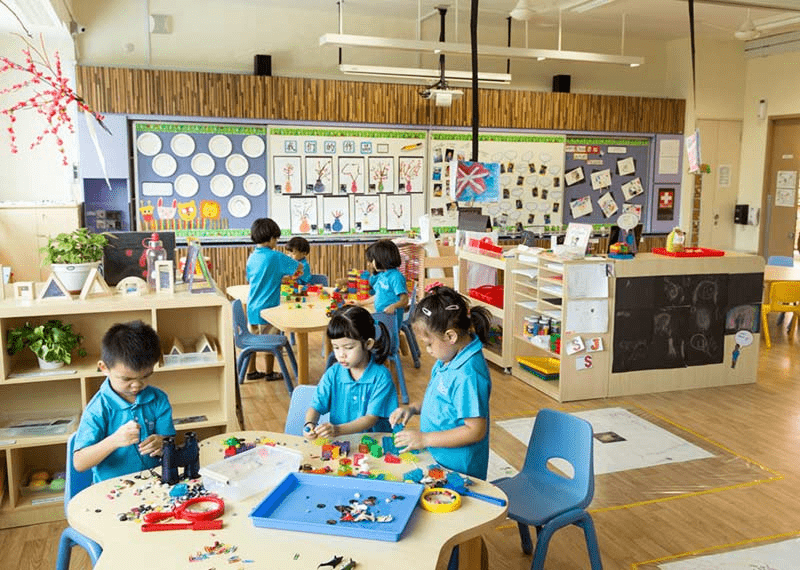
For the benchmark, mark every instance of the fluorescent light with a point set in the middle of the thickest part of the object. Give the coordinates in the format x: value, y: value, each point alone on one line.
x: 406, y: 72
x: 778, y: 21
x: 374, y: 42
x: 589, y: 6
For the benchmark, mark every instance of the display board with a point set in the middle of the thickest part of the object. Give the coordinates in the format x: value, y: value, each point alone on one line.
x: 531, y: 179
x: 340, y: 182
x: 200, y: 180
x: 605, y: 177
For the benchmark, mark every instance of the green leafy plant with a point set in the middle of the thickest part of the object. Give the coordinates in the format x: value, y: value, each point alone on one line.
x: 79, y: 246
x: 53, y: 341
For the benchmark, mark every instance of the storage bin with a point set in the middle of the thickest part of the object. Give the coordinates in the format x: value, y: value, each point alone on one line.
x: 492, y: 294
x: 255, y: 470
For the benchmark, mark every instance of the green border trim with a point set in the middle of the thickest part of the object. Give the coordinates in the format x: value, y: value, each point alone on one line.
x: 199, y: 129
x: 376, y: 134
x: 609, y: 142
x: 499, y: 137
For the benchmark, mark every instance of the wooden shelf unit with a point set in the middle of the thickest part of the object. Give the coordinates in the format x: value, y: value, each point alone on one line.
x: 201, y: 389
x: 503, y: 316
x: 539, y: 288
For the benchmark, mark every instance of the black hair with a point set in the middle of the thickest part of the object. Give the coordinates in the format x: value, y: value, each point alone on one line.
x: 298, y: 243
x: 385, y: 254
x: 354, y: 322
x: 263, y: 230
x: 443, y: 309
x: 134, y: 344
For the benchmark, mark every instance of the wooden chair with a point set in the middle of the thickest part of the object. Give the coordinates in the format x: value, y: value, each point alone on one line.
x: 784, y: 297
x: 447, y: 262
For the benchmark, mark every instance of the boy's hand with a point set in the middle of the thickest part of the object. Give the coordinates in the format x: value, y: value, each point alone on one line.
x: 310, y: 431
x: 326, y: 430
x: 409, y: 439
x: 151, y: 445
x: 127, y: 434
x: 401, y: 415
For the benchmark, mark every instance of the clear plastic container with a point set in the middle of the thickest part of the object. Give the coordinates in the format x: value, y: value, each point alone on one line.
x: 253, y: 471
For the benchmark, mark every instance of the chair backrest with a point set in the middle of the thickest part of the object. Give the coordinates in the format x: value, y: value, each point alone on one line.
x: 318, y: 279
x: 412, y: 304
x: 444, y: 263
x: 782, y: 260
x: 560, y: 435
x: 390, y: 322
x: 299, y: 404
x: 239, y: 322
x: 784, y: 296
x: 76, y: 481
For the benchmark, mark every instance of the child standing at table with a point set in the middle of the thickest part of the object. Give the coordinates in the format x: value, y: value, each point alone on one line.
x: 389, y: 285
x: 357, y: 391
x: 454, y: 414
x: 123, y: 426
x: 299, y: 248
x: 265, y: 270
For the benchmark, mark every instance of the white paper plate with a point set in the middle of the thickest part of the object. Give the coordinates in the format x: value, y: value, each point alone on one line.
x: 182, y: 145
x: 254, y: 184
x: 253, y: 146
x: 164, y: 164
x: 186, y: 185
x: 148, y: 144
x: 202, y: 164
x: 220, y: 146
x: 239, y: 206
x: 221, y: 185
x: 237, y: 165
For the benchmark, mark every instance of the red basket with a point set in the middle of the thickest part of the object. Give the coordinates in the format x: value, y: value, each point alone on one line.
x: 486, y: 247
x: 690, y: 252
x: 492, y: 294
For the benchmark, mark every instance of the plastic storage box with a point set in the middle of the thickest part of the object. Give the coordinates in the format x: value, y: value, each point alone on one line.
x: 258, y: 469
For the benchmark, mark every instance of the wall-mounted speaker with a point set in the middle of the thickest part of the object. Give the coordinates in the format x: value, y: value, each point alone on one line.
x: 561, y: 83
x: 263, y: 65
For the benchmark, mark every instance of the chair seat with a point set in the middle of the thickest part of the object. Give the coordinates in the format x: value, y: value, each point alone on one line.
x: 262, y: 341
x: 541, y: 503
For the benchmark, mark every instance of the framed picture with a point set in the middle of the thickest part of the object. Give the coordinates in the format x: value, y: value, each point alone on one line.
x: 381, y: 174
x: 410, y: 174
x: 165, y: 276
x: 398, y: 213
x: 336, y: 214
x: 286, y: 175
x: 366, y: 214
x: 319, y: 174
x: 352, y: 175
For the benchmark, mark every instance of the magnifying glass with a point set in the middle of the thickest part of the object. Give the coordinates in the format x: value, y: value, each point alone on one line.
x: 201, y: 513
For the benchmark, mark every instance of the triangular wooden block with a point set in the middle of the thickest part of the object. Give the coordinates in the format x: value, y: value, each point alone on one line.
x: 54, y: 289
x: 203, y: 344
x: 95, y: 286
x: 176, y: 348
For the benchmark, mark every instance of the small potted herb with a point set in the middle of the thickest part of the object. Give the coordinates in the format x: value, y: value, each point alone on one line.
x: 53, y: 342
x: 73, y: 255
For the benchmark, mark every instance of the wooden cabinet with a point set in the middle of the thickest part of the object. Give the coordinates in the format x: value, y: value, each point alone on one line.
x: 498, y: 350
x: 201, y: 390
x: 541, y: 294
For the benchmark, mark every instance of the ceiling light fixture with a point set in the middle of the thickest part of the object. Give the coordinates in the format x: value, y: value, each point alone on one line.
x: 412, y: 73
x: 584, y: 5
x: 778, y: 21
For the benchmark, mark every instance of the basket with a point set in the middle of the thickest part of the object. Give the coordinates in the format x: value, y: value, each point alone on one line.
x: 485, y: 246
x: 492, y: 294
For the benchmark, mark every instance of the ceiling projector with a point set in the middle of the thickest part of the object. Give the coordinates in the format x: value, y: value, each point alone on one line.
x: 442, y: 97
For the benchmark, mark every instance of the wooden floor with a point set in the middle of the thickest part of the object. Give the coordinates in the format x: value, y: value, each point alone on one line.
x: 749, y: 492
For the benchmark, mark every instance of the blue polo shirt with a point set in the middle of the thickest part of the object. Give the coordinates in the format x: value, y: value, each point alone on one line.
x: 387, y: 287
x: 347, y: 399
x: 306, y: 276
x: 265, y: 269
x: 457, y: 390
x: 107, y: 411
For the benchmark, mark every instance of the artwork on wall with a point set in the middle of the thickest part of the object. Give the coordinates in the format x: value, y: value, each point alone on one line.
x: 381, y: 174
x: 319, y: 175
x: 410, y: 174
x: 336, y: 214
x: 286, y: 174
x: 367, y: 216
x: 304, y: 215
x: 352, y: 173
x: 398, y: 212
x: 478, y: 182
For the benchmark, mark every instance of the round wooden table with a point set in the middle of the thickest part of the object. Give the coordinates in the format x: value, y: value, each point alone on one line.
x: 425, y: 544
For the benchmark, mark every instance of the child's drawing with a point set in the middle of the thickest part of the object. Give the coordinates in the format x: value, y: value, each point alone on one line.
x: 286, y: 174
x: 381, y: 174
x: 336, y: 214
x: 304, y: 215
x: 352, y: 172
x: 398, y: 212
x: 366, y: 214
x: 410, y: 169
x: 319, y: 174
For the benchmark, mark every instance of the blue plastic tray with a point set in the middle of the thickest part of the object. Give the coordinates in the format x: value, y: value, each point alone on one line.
x: 295, y: 505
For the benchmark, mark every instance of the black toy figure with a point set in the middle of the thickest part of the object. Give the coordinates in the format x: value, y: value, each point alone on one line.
x: 186, y: 456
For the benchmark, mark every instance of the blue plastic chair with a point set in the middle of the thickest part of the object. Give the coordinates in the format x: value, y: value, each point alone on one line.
x: 300, y: 402
x: 782, y: 260
x: 75, y: 483
x: 413, y: 346
x: 547, y: 500
x: 249, y: 344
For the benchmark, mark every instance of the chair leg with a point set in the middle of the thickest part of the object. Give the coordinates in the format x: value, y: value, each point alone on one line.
x: 242, y: 363
x: 543, y: 537
x: 525, y: 537
x: 401, y: 379
x: 453, y: 564
x: 285, y: 371
x: 65, y: 545
x: 292, y: 361
x: 765, y: 328
x: 587, y: 525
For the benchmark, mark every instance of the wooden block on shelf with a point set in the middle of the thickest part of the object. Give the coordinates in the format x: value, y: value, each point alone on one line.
x: 95, y: 286
x: 53, y: 288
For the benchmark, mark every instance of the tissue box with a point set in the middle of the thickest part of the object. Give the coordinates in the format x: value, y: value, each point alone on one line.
x: 256, y: 470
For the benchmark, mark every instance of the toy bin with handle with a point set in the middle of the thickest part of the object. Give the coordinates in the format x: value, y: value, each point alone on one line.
x: 492, y: 294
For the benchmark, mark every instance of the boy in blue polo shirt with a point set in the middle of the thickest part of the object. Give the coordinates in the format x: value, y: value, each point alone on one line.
x: 123, y: 426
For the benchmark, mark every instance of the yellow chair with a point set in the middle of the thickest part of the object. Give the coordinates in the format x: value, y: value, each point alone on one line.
x: 784, y: 297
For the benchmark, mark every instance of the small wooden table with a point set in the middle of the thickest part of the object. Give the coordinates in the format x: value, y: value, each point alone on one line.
x: 309, y: 317
x: 425, y: 544
x: 781, y: 273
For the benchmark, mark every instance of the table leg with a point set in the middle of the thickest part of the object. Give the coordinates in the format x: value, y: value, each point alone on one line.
x: 302, y: 357
x: 473, y: 555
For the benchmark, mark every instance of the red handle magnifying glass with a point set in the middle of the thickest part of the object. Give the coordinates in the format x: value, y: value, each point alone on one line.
x: 201, y: 513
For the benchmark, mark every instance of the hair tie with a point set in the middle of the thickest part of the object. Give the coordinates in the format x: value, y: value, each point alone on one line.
x: 433, y: 285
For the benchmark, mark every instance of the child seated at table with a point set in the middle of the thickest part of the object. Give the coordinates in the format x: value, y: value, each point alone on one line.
x: 357, y: 391
x: 454, y: 414
x: 123, y: 426
x: 299, y: 248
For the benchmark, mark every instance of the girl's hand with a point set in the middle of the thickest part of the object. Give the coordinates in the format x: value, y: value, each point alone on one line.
x: 151, y: 445
x: 401, y: 415
x: 409, y: 439
x: 327, y: 430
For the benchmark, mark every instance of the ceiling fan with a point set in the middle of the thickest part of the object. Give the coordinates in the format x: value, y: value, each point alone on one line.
x: 527, y: 9
x: 748, y: 30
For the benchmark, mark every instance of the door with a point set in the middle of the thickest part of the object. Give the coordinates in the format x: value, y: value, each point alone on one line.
x: 720, y: 144
x: 781, y: 178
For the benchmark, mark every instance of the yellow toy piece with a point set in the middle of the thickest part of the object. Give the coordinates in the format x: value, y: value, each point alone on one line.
x: 440, y: 500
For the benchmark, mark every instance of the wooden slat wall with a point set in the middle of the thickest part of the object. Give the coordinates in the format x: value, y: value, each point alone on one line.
x: 195, y: 94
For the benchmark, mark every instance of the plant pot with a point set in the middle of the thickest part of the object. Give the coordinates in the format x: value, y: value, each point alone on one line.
x: 73, y: 275
x: 45, y: 365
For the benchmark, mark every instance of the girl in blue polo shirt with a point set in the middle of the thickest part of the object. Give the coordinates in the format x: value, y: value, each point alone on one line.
x: 357, y: 391
x: 388, y: 284
x: 454, y: 414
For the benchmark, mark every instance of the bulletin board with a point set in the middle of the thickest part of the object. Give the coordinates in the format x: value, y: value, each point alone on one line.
x: 346, y: 182
x: 531, y: 179
x: 203, y: 180
x: 605, y: 177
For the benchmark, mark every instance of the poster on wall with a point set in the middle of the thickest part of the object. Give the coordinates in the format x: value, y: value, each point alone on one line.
x: 287, y: 175
x: 398, y: 212
x: 197, y: 179
x: 352, y: 164
x: 477, y: 182
x: 303, y: 215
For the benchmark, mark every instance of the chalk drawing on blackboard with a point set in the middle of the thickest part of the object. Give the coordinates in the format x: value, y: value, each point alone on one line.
x: 742, y: 317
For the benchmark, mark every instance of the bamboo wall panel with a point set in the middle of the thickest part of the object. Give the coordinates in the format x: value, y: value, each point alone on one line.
x: 197, y: 94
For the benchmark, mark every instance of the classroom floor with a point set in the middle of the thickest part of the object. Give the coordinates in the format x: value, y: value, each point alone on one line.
x: 745, y: 496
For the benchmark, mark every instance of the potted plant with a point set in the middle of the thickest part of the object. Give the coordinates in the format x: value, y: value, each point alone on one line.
x: 52, y: 343
x: 73, y: 255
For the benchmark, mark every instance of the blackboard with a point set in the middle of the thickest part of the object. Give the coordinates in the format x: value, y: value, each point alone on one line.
x: 124, y: 254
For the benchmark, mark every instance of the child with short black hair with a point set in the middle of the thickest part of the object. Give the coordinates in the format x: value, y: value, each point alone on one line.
x: 454, y: 414
x: 299, y: 248
x: 357, y: 391
x: 266, y: 268
x: 123, y: 426
x: 389, y: 285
